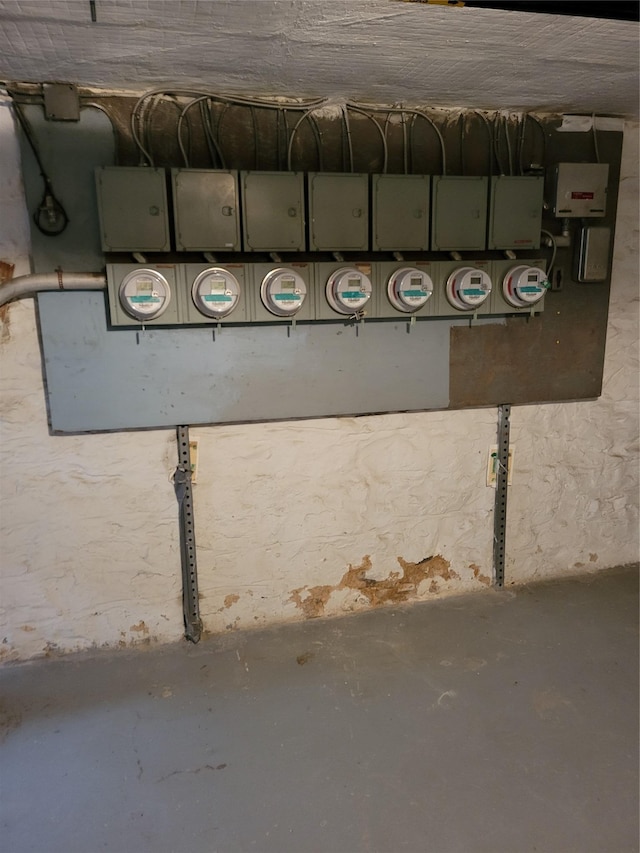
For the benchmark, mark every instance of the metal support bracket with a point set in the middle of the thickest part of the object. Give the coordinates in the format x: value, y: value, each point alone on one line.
x: 500, y: 508
x: 184, y: 495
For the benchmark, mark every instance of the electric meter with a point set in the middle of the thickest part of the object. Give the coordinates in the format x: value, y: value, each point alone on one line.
x: 409, y: 289
x: 467, y: 288
x: 215, y: 292
x: 283, y: 292
x: 145, y: 294
x: 523, y: 286
x: 348, y: 290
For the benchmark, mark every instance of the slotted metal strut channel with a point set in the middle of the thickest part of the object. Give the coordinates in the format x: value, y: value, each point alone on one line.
x: 500, y: 509
x: 184, y: 495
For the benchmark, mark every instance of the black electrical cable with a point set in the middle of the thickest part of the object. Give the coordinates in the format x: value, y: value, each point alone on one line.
x: 50, y: 216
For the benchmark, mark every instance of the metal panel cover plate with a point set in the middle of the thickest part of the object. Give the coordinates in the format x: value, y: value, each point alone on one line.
x: 339, y: 211
x: 459, y: 213
x: 400, y: 206
x: 132, y: 203
x: 206, y: 210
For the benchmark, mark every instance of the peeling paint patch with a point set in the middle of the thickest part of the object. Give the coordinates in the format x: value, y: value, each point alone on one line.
x: 140, y: 628
x: 478, y: 575
x: 396, y: 588
x: 230, y: 600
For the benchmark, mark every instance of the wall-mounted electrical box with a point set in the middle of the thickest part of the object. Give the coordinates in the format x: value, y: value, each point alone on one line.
x: 273, y: 211
x: 581, y: 190
x: 519, y: 287
x: 214, y: 293
x: 338, y: 211
x: 144, y: 295
x: 400, y: 212
x: 132, y: 206
x: 459, y: 213
x: 515, y: 213
x: 592, y: 254
x: 282, y: 293
x: 205, y: 210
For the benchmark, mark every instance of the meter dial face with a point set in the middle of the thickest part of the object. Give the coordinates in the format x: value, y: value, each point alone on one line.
x: 283, y: 292
x: 409, y: 289
x: 145, y: 294
x: 348, y: 290
x: 215, y: 292
x: 524, y: 286
x: 467, y: 288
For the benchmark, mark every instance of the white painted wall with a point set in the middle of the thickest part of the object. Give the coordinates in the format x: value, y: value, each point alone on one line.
x: 88, y: 526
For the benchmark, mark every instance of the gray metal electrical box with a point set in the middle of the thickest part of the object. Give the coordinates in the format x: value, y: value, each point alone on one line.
x: 273, y: 211
x: 132, y: 205
x: 205, y: 210
x: 400, y: 209
x: 339, y: 211
x: 515, y: 217
x: 459, y: 213
x: 581, y: 190
x: 592, y: 254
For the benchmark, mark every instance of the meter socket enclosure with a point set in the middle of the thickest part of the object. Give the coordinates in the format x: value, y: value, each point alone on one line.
x: 132, y: 207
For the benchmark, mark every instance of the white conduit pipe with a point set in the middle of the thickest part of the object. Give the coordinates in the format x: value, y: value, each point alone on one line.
x: 29, y: 285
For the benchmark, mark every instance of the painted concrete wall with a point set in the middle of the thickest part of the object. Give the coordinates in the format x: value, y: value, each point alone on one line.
x: 292, y: 517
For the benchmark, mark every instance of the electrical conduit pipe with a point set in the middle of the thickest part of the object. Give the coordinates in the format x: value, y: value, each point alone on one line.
x: 28, y: 285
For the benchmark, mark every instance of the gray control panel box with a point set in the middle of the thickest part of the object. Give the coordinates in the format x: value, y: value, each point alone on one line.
x: 459, y: 213
x: 338, y: 211
x: 132, y: 205
x: 400, y: 212
x: 273, y: 211
x: 581, y: 190
x: 172, y: 316
x: 205, y: 210
x: 515, y: 217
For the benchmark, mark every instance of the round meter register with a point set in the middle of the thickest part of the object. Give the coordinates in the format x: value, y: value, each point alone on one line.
x: 524, y: 286
x: 409, y: 289
x: 215, y: 292
x: 145, y: 294
x: 467, y: 288
x: 283, y: 292
x: 348, y: 290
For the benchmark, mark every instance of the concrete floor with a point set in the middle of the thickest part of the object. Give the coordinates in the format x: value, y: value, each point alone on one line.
x: 505, y: 721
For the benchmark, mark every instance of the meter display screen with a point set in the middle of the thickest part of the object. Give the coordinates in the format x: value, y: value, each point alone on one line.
x: 532, y: 277
x: 416, y: 282
x: 288, y: 284
x: 218, y: 285
x: 476, y: 279
x: 354, y: 284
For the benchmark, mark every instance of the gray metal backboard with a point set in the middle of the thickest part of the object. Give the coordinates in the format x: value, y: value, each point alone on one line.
x: 100, y: 379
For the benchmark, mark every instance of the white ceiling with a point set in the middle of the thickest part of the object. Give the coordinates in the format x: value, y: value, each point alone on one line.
x: 376, y: 50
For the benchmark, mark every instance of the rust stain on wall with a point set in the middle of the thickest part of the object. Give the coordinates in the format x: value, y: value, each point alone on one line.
x: 6, y: 273
x: 140, y: 628
x: 229, y: 600
x: 397, y: 588
x: 478, y: 575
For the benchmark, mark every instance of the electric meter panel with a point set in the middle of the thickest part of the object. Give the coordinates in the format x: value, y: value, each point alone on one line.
x: 142, y: 295
x: 214, y: 293
x: 348, y: 291
x: 520, y: 286
x: 409, y: 289
x: 282, y: 293
x: 132, y: 204
x: 468, y: 288
x: 206, y: 210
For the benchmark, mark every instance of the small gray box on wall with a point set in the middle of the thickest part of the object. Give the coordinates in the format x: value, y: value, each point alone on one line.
x: 459, y: 213
x: 516, y: 212
x: 273, y: 211
x: 339, y: 211
x: 400, y: 208
x: 132, y: 205
x: 205, y: 210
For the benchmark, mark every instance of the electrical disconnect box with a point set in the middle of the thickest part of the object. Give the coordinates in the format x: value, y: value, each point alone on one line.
x: 205, y: 210
x: 339, y: 211
x: 581, y: 190
x: 515, y: 214
x: 400, y: 212
x: 132, y: 204
x: 459, y: 213
x: 273, y: 211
